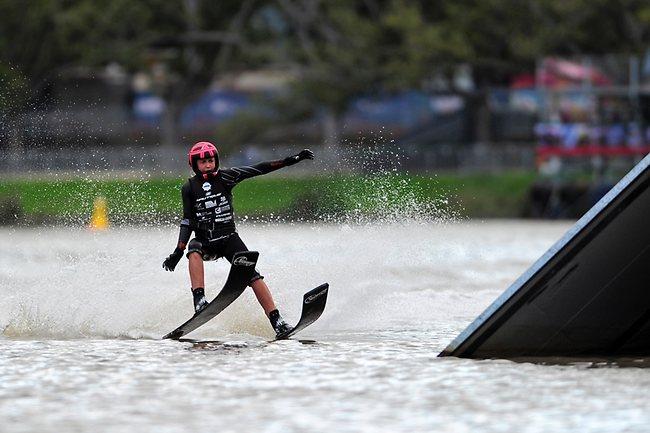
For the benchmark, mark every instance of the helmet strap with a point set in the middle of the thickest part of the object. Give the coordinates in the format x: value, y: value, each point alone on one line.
x: 209, y: 174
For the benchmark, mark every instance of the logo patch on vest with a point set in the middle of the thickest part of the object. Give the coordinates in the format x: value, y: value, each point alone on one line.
x: 206, y: 186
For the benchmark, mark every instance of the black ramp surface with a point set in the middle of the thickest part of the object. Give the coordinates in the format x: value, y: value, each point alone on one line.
x: 313, y: 304
x: 588, y: 295
x: 241, y: 272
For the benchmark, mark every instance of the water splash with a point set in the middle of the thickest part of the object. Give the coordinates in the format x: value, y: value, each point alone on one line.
x: 378, y: 190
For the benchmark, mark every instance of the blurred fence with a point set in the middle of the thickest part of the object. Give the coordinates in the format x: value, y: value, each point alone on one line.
x: 166, y: 160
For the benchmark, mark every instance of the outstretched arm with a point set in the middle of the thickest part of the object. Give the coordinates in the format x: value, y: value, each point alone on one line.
x: 232, y: 176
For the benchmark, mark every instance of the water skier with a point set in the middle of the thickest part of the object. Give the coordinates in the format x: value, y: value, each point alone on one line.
x: 208, y: 212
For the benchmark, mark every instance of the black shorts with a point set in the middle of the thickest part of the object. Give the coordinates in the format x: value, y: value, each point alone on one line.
x: 213, y: 250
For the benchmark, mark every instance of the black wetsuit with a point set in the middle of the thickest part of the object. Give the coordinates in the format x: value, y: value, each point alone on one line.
x: 208, y: 211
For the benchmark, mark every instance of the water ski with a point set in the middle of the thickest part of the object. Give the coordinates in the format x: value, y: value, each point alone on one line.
x: 313, y: 304
x: 241, y: 272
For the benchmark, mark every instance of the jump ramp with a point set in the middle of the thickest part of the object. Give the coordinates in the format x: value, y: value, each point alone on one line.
x: 588, y: 295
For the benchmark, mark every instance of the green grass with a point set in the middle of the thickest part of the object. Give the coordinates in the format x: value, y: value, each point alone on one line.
x: 75, y: 197
x: 488, y: 195
x: 500, y: 195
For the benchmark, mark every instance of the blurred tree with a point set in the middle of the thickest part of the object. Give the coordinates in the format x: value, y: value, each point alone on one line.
x: 340, y: 48
x: 43, y: 37
x: 334, y: 45
x: 506, y: 37
x: 344, y: 49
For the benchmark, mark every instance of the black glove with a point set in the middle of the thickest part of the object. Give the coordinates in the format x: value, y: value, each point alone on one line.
x: 170, y: 262
x: 304, y: 154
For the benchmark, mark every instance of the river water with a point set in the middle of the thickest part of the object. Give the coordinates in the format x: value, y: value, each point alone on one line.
x: 81, y: 314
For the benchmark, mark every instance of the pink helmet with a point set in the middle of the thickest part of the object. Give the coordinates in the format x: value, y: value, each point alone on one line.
x: 202, y: 149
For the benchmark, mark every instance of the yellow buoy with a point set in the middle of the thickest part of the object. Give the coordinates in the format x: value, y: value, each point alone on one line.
x: 99, y: 218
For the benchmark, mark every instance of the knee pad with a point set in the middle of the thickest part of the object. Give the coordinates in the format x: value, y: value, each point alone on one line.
x: 256, y: 277
x: 194, y: 247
